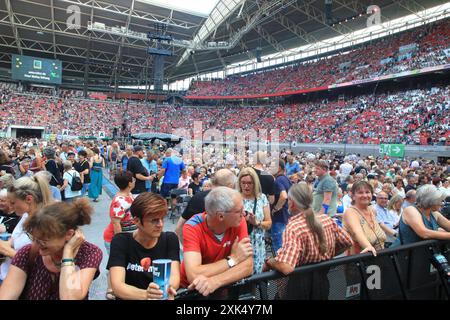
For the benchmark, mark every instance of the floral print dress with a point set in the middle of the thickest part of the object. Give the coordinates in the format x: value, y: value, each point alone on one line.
x: 257, y: 235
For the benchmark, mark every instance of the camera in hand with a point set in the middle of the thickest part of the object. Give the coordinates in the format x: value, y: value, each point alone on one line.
x: 441, y: 264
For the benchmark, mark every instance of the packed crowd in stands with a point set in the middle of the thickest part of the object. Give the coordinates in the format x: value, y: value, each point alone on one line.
x: 313, y: 204
x: 428, y: 45
x: 409, y: 117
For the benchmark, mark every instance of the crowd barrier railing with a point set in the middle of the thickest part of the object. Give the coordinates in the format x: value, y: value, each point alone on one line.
x: 401, y: 273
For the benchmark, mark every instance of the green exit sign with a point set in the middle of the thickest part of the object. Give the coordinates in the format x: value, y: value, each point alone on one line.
x: 393, y: 150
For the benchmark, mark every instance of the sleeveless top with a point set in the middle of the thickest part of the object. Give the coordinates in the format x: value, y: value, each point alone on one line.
x: 375, y: 236
x: 407, y: 234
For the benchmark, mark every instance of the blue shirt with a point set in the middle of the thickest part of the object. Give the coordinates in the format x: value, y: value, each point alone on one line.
x: 173, y: 166
x: 282, y: 183
x: 55, y: 193
x: 386, y: 217
x: 146, y: 164
x: 151, y: 167
x: 292, y: 168
x: 124, y: 162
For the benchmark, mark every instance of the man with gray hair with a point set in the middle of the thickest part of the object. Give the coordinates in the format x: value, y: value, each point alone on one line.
x: 410, y: 199
x: 217, y: 250
x: 222, y: 178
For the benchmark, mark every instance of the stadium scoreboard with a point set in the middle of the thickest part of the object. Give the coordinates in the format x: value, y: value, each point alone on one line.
x: 33, y: 69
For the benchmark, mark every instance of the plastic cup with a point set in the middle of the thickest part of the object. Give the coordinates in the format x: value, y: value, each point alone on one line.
x: 5, y: 236
x: 161, y: 274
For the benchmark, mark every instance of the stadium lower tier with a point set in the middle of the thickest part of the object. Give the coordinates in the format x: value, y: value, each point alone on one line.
x: 409, y: 117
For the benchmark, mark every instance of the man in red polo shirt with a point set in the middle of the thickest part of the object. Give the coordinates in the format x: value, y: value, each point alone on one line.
x: 217, y: 250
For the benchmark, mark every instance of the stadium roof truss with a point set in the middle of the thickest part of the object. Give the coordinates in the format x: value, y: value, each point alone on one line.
x: 231, y: 33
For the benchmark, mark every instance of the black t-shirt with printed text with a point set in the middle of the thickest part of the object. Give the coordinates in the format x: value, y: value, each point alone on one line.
x: 126, y: 252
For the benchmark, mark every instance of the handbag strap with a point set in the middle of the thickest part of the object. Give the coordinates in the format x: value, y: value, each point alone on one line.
x: 71, y: 176
x: 372, y: 229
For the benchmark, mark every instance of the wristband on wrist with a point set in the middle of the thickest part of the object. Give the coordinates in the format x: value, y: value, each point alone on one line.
x: 67, y: 264
x: 68, y: 260
x: 325, y: 207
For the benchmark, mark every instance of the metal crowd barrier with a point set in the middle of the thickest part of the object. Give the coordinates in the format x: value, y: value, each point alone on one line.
x: 400, y: 273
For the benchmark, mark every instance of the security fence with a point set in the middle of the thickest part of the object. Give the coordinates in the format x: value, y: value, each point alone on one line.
x: 400, y: 273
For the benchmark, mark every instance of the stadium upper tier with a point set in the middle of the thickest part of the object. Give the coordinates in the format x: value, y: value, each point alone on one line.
x: 419, y: 48
x: 410, y: 117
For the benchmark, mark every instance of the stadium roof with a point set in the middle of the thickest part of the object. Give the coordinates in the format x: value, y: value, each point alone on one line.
x: 39, y: 28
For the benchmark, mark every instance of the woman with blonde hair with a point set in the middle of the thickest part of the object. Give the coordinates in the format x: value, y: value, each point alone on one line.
x: 308, y: 238
x: 391, y: 221
x: 27, y: 195
x: 257, y: 211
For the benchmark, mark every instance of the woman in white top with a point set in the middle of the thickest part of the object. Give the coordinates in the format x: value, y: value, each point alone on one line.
x: 399, y: 187
x: 69, y: 174
x: 26, y: 196
x: 184, y: 181
x: 390, y: 225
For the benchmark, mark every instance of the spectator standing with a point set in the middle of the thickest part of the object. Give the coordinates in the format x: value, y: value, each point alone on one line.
x: 280, y: 213
x: 325, y: 190
x: 68, y: 177
x: 138, y: 170
x: 172, y: 167
x: 126, y: 156
x: 82, y: 166
x: 292, y: 166
x: 52, y: 166
x: 265, y: 178
x: 257, y: 210
x: 97, y: 164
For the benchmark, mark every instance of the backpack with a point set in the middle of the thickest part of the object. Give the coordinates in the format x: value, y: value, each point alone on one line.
x: 76, y: 185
